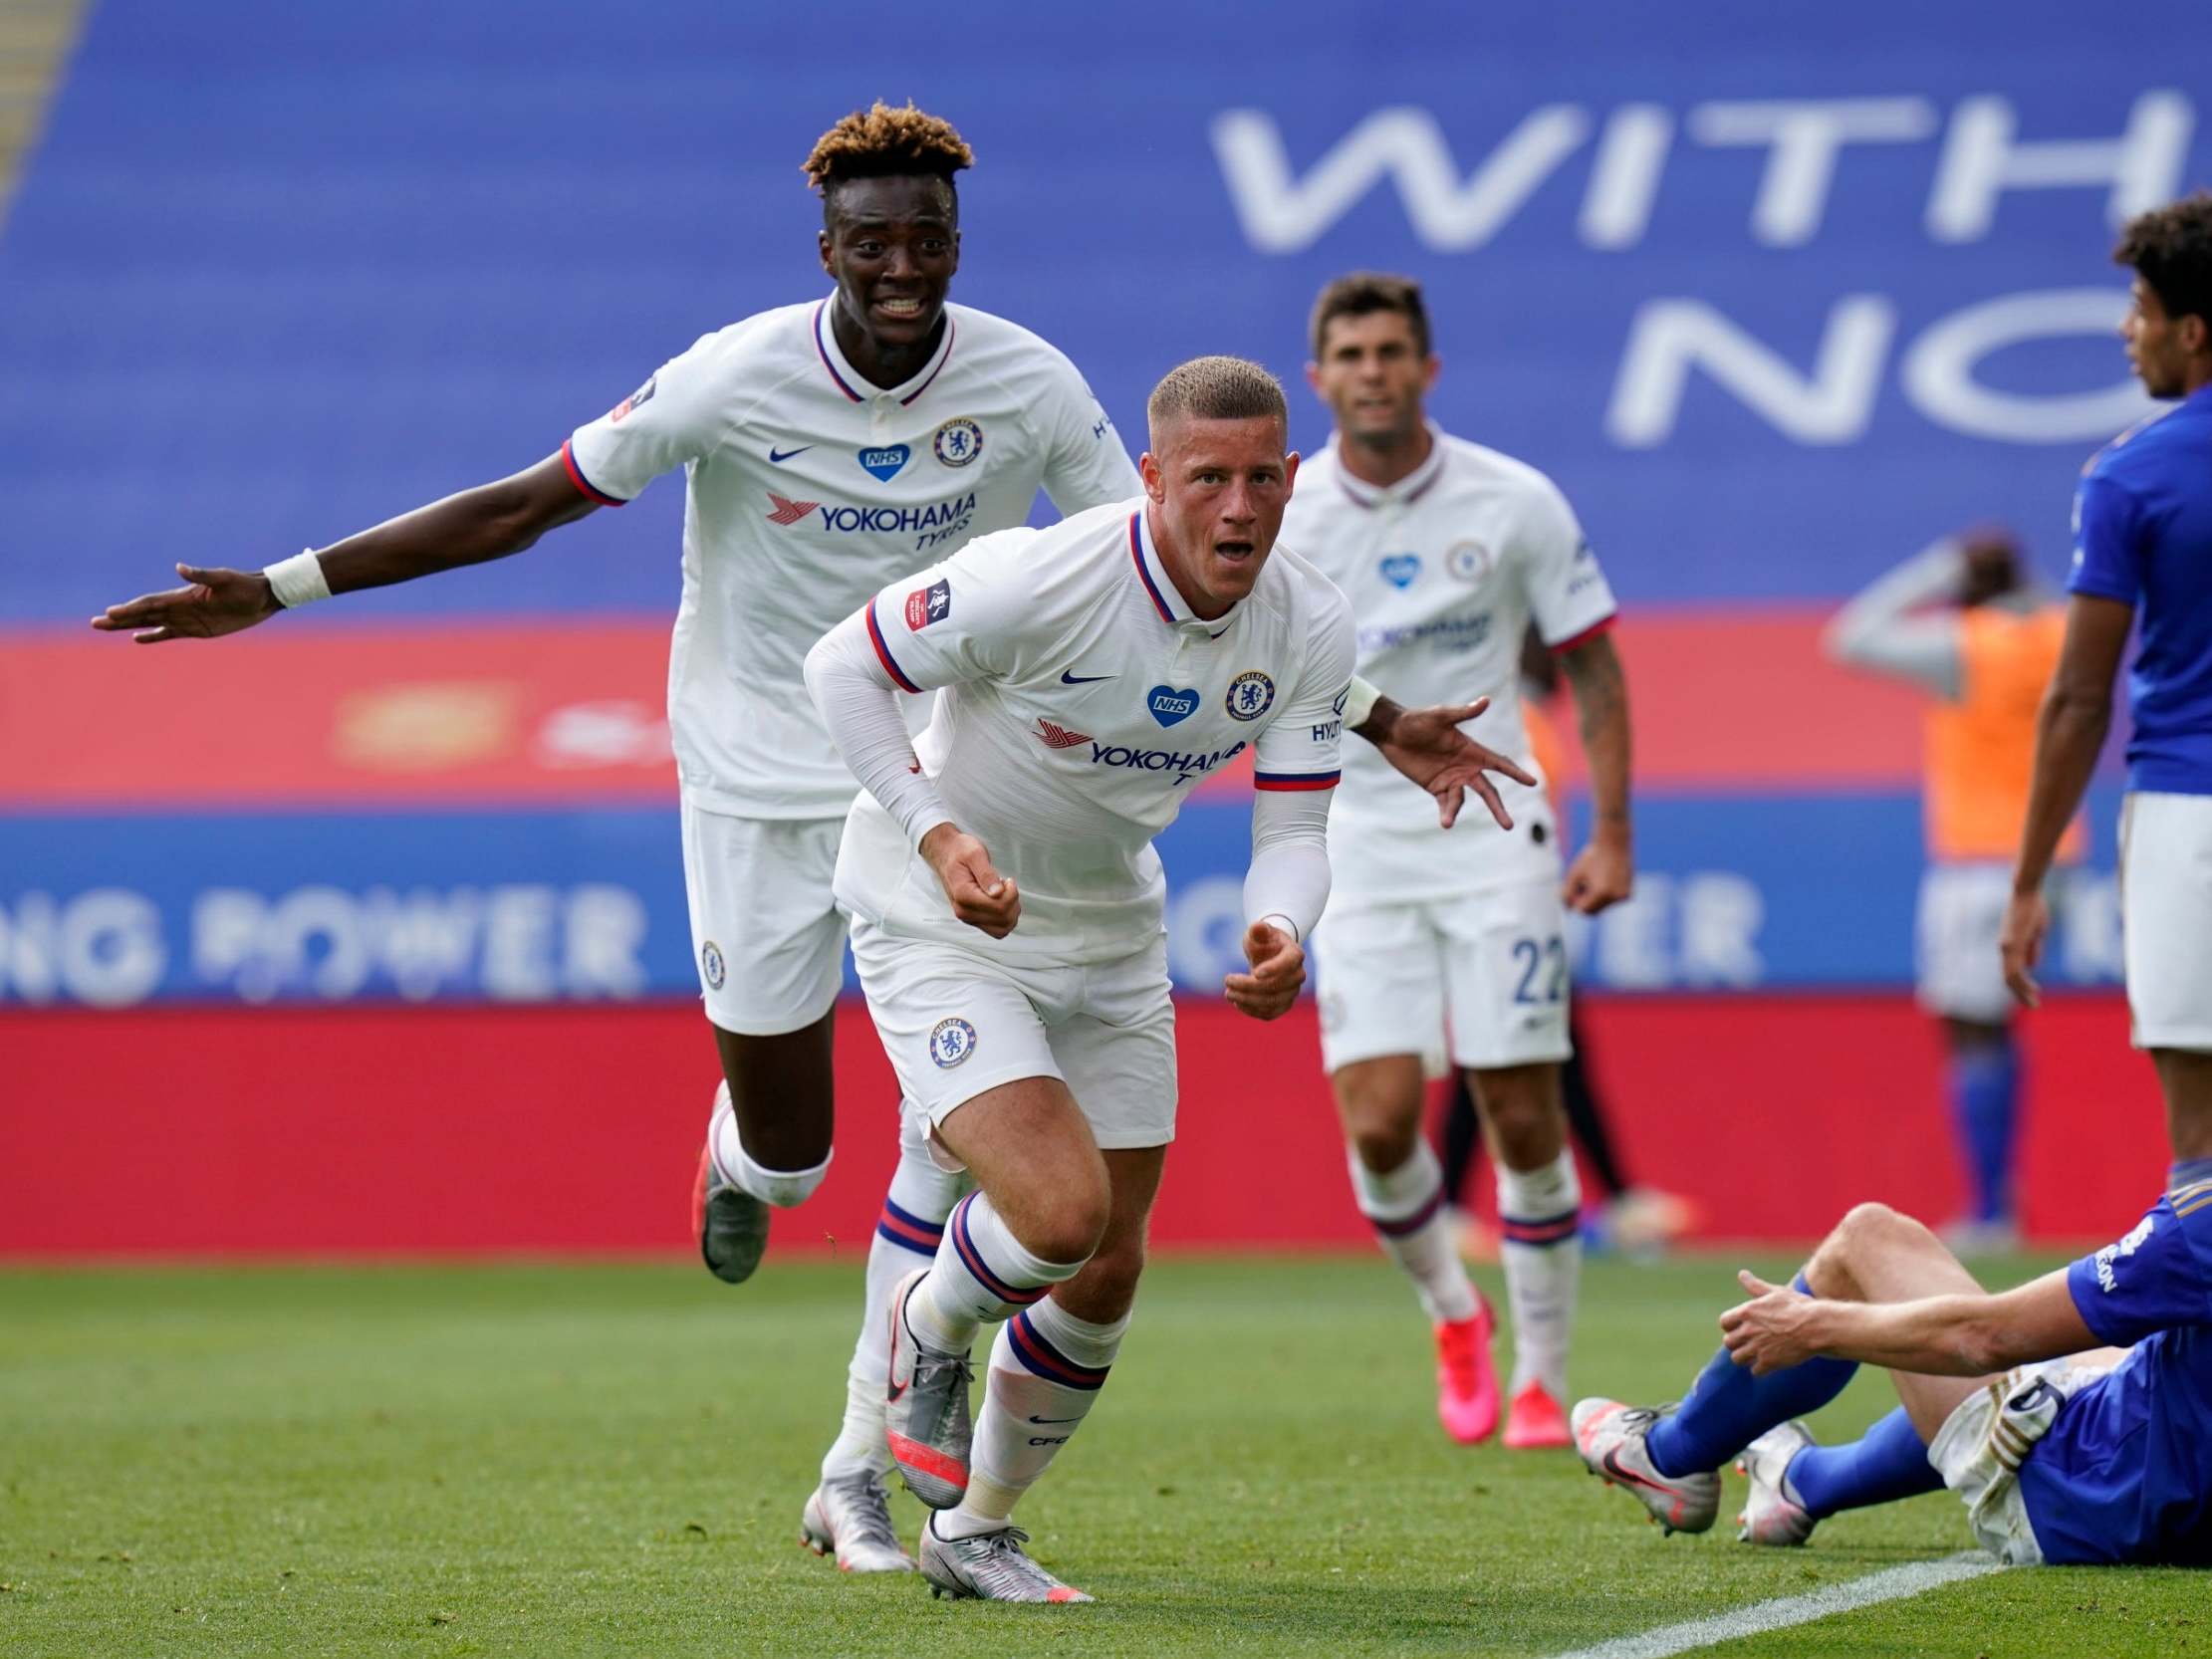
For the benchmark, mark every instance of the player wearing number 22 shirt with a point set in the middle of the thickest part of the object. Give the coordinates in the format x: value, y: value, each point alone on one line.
x: 1448, y: 550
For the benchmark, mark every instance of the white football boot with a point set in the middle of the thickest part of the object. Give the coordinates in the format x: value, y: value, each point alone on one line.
x: 850, y: 1517
x: 1609, y: 1437
x: 1770, y: 1514
x: 991, y: 1566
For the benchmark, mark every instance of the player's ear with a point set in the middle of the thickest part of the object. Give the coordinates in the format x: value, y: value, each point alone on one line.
x: 821, y: 244
x: 1430, y: 370
x: 1155, y: 482
x: 1313, y: 377
x: 1289, y: 472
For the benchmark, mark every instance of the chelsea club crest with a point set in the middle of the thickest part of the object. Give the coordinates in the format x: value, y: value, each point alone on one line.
x: 951, y: 1041
x: 1251, y: 694
x: 958, y: 443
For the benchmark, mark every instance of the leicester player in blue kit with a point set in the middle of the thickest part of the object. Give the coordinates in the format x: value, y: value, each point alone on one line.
x: 2064, y: 1451
x: 2142, y: 524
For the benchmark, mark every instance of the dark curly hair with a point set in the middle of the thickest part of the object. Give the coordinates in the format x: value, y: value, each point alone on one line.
x: 885, y: 143
x: 2172, y: 249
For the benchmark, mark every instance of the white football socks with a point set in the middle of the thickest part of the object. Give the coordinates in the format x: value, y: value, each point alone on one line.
x: 907, y: 1232
x: 1405, y: 1206
x: 779, y: 1188
x: 1541, y: 1244
x: 982, y: 1273
x: 1047, y: 1367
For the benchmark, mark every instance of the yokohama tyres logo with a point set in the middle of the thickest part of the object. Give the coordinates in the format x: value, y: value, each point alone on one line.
x: 1059, y: 737
x: 789, y: 512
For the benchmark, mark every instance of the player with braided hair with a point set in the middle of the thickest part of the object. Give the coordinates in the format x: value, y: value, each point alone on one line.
x: 829, y: 448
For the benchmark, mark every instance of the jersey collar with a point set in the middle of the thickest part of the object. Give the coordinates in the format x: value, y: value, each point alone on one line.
x: 857, y: 387
x: 1406, y: 490
x: 1165, y: 598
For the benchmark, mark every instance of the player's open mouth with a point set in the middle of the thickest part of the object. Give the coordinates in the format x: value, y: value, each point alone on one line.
x: 904, y: 311
x: 1233, y: 549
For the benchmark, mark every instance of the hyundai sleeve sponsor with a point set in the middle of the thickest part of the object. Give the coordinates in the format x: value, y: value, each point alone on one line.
x: 587, y: 906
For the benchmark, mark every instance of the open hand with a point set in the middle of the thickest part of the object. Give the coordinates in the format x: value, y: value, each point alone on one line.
x: 980, y: 896
x: 1278, y: 973
x: 1771, y: 1330
x: 218, y: 602
x: 1427, y: 746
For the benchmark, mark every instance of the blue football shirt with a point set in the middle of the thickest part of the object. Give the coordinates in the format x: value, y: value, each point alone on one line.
x: 2142, y: 535
x: 2125, y: 1472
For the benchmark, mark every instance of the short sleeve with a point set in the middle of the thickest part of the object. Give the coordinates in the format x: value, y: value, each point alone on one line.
x: 2107, y: 561
x: 1569, y: 597
x: 962, y: 620
x: 1085, y: 464
x: 1300, y: 747
x: 2149, y: 1281
x: 675, y: 417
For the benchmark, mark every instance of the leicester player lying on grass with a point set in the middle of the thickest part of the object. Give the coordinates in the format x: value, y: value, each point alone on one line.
x: 2064, y: 1451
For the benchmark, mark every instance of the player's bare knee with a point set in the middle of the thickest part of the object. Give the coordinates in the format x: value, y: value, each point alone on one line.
x: 1070, y: 1218
x: 1384, y: 1143
x: 1852, y: 1248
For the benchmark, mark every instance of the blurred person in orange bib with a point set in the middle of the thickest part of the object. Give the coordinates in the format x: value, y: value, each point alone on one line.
x: 1963, y: 621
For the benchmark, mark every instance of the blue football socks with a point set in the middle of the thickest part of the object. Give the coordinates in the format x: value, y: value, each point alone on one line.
x: 1891, y: 1462
x: 1727, y: 1408
x: 1985, y: 1106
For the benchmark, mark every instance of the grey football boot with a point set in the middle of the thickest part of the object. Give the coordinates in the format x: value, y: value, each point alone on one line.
x: 1610, y: 1437
x: 925, y: 1409
x: 850, y: 1517
x: 991, y: 1566
x: 731, y: 1223
x: 1770, y: 1514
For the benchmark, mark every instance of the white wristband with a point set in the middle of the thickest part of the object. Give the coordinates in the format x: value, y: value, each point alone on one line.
x: 1360, y: 702
x: 299, y: 580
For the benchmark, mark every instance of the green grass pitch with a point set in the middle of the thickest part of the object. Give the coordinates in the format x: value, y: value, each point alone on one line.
x: 540, y: 1460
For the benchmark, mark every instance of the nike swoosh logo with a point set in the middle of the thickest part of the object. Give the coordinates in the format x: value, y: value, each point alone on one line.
x: 777, y: 457
x: 1066, y: 678
x: 1610, y: 1463
x: 1056, y: 1419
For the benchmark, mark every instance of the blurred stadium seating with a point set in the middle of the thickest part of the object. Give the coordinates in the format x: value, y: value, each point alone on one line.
x: 1776, y: 301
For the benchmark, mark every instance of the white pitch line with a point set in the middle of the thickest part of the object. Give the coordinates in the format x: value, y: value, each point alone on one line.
x: 1892, y: 1584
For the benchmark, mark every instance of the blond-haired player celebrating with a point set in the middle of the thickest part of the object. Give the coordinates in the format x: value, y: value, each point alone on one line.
x: 828, y: 447
x: 1447, y: 551
x: 1007, y: 908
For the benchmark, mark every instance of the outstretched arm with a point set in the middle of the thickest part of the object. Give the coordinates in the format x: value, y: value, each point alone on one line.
x: 1951, y: 1336
x: 485, y: 522
x: 1603, y: 872
x: 1427, y: 746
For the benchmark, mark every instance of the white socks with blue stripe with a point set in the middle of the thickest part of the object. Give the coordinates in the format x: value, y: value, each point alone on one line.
x: 982, y: 1273
x: 1405, y: 1207
x: 1541, y: 1248
x: 1047, y: 1367
x: 907, y: 1232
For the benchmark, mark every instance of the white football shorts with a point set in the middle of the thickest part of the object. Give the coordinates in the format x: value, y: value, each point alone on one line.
x: 1961, y: 915
x: 956, y: 1024
x: 766, y: 936
x: 1488, y: 968
x: 2165, y: 869
x: 1989, y: 1435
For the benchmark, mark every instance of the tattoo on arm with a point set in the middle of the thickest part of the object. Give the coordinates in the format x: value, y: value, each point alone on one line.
x: 1602, y: 707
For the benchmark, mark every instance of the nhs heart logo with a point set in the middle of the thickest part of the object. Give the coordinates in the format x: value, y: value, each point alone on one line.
x: 886, y: 464
x: 1400, y: 568
x: 1170, y: 705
